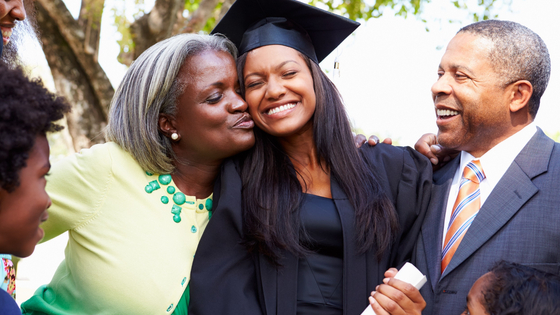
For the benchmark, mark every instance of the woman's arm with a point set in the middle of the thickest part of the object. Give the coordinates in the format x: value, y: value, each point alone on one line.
x: 77, y: 186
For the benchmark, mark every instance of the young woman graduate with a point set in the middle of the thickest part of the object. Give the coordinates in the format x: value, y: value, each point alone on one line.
x: 305, y: 223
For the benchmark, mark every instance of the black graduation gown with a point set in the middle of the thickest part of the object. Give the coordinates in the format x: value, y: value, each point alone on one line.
x: 226, y: 279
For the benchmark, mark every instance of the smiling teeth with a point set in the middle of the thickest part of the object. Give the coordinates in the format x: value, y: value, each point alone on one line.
x: 281, y: 108
x: 447, y: 112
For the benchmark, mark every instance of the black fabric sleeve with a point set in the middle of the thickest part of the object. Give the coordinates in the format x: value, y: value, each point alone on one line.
x: 223, y: 276
x: 406, y: 176
x: 412, y: 201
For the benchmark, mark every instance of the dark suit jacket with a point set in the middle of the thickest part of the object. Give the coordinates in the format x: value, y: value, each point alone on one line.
x: 519, y: 222
x: 226, y: 279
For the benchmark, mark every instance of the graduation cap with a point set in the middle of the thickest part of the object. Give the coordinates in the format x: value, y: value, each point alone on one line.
x: 250, y: 24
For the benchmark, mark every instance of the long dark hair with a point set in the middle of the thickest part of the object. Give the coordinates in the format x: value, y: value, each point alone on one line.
x: 272, y: 193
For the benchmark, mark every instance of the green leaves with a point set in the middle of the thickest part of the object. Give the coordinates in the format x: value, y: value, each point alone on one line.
x: 354, y: 9
x: 366, y: 9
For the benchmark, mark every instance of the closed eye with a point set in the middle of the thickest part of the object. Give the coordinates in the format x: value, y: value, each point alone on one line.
x: 289, y: 74
x: 253, y: 84
x: 215, y: 98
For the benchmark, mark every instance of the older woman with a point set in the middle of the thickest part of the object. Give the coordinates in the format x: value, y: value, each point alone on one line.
x: 28, y: 113
x: 135, y: 207
x: 319, y: 221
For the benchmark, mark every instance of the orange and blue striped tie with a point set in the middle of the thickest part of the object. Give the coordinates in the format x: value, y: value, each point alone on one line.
x: 464, y: 211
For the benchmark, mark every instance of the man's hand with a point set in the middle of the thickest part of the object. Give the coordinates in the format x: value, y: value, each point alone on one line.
x: 428, y: 146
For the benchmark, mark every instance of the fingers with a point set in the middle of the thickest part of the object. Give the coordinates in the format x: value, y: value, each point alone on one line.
x: 447, y: 154
x: 424, y: 146
x: 383, y: 305
x: 388, y: 141
x: 375, y: 305
x: 443, y: 155
x: 359, y: 140
x: 408, y: 289
x: 397, y: 297
x: 436, y: 149
x: 373, y: 140
x: 391, y: 272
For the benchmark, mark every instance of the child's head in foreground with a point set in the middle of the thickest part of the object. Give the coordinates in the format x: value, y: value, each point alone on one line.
x: 27, y: 112
x: 510, y: 288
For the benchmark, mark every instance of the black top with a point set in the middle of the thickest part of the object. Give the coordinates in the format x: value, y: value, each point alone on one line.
x: 226, y: 279
x: 319, y: 289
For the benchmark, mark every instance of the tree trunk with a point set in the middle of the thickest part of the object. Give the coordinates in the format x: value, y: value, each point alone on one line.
x: 72, y: 57
x: 205, y: 11
x: 155, y: 26
x: 200, y: 16
x: 166, y: 19
x: 90, y: 21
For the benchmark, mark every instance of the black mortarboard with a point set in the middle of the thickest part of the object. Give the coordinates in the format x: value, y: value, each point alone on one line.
x: 314, y: 32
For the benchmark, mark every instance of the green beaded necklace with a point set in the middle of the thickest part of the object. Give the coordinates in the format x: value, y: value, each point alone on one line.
x: 178, y: 197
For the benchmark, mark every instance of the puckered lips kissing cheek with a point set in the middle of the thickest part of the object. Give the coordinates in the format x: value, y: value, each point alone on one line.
x: 244, y: 122
x: 6, y: 32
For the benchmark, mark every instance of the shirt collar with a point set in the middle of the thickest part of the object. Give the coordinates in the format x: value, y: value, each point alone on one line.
x: 497, y: 160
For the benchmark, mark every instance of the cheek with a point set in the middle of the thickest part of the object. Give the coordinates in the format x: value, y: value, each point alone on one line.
x: 310, y: 91
x: 253, y: 101
x: 212, y: 117
x: 253, y: 109
x: 313, y: 101
x: 45, y: 200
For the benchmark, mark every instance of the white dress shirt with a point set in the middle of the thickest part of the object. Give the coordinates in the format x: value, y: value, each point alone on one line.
x: 494, y: 163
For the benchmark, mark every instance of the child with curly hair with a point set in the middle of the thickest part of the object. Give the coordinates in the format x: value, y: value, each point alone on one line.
x: 514, y: 289
x: 27, y: 112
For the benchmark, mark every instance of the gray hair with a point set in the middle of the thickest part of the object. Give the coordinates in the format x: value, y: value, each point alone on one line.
x: 518, y: 54
x: 150, y: 88
x: 24, y: 30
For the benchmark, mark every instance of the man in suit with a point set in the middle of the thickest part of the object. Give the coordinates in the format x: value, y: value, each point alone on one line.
x: 500, y: 198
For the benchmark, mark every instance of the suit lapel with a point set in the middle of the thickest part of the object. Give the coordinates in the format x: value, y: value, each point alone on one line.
x: 508, y: 197
x: 433, y: 229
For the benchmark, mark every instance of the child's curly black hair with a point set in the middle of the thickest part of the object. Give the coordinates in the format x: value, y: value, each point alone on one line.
x: 515, y: 289
x: 27, y: 110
